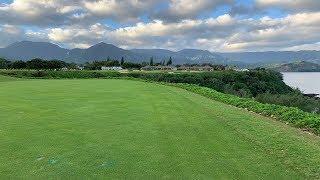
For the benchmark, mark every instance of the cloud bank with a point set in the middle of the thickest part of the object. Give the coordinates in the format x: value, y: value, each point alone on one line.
x: 216, y: 25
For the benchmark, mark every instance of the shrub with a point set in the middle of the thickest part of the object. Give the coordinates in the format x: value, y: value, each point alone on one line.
x: 39, y: 74
x: 243, y: 84
x: 61, y: 74
x: 292, y: 100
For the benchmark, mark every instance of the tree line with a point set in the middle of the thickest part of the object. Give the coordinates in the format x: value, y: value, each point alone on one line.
x: 40, y: 64
x: 37, y: 64
x: 97, y: 65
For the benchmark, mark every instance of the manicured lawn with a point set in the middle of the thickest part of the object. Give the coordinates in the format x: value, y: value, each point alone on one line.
x: 131, y: 129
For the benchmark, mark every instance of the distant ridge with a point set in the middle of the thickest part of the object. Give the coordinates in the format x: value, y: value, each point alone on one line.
x: 301, y: 66
x: 270, y: 57
x: 26, y: 50
x: 101, y: 51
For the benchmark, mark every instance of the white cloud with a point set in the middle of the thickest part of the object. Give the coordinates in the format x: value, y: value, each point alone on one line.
x: 223, y: 33
x: 189, y: 9
x: 291, y: 5
x: 124, y: 10
x: 314, y: 46
x: 79, y: 36
x: 62, y: 12
x: 10, y: 29
x: 38, y: 12
x: 292, y: 30
x: 10, y: 34
x: 80, y: 23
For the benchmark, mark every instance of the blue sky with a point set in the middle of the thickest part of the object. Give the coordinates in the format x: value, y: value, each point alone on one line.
x: 216, y: 25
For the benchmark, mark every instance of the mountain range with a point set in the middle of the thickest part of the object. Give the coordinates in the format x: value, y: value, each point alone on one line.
x: 27, y: 50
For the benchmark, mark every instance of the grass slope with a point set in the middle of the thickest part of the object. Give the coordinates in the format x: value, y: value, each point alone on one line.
x: 122, y: 129
x: 7, y: 78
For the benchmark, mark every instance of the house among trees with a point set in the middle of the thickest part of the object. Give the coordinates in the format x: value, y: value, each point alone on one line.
x: 153, y: 68
x: 113, y: 68
x: 242, y: 70
x: 204, y: 67
x: 195, y: 68
x: 80, y: 67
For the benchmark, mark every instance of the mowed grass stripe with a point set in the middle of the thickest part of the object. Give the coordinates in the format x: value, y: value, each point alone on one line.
x: 132, y: 129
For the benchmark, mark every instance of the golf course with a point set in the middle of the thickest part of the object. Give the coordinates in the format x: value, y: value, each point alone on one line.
x: 128, y: 129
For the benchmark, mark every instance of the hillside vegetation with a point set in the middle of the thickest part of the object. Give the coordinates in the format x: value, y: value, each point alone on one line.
x: 301, y: 66
x: 243, y: 84
x: 131, y: 129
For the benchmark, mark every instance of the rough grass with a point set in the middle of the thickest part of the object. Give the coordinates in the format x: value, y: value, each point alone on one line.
x: 132, y: 129
x: 7, y: 78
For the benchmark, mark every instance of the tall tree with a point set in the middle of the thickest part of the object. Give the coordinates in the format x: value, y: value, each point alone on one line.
x: 169, y: 62
x: 151, y: 61
x: 18, y: 65
x: 122, y: 61
x: 37, y: 63
x: 4, y: 63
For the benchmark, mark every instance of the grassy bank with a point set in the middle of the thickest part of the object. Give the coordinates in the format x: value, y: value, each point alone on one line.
x: 87, y: 128
x: 291, y: 115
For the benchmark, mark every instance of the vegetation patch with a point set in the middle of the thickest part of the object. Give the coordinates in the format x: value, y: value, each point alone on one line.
x: 60, y: 74
x: 295, y: 99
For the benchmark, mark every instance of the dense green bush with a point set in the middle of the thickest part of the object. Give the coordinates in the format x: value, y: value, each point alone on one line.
x: 244, y: 84
x: 290, y: 115
x: 34, y: 64
x: 60, y: 74
x: 293, y: 100
x: 39, y: 74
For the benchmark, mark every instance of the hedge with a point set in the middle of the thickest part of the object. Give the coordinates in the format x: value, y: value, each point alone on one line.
x: 48, y: 74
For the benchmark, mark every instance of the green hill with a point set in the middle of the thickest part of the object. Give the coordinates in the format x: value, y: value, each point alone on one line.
x: 131, y: 129
x: 301, y: 66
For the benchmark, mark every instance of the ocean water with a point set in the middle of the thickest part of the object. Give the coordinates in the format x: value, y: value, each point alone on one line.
x: 307, y: 82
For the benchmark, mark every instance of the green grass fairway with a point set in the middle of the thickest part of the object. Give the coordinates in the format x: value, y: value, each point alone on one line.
x: 136, y: 130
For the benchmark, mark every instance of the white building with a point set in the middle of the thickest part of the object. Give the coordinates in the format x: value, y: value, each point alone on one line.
x: 113, y: 68
x: 80, y: 68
